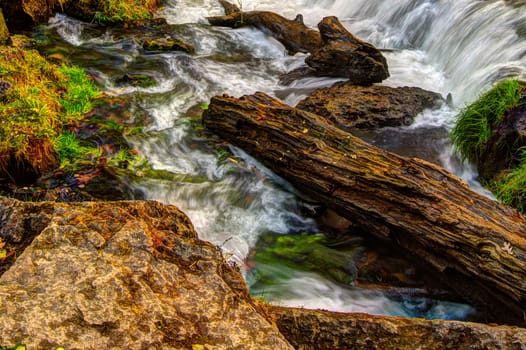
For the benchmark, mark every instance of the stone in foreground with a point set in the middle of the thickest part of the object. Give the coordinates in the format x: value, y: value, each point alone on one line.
x: 128, y: 275
x: 315, y: 329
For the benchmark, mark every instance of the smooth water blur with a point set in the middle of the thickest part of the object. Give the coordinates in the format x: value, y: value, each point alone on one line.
x: 451, y: 47
x: 308, y: 290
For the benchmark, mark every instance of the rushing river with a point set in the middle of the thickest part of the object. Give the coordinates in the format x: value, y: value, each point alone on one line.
x: 452, y: 47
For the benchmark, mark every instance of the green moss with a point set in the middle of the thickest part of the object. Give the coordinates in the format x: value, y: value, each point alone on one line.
x: 40, y: 111
x: 475, y: 122
x: 305, y: 252
x: 16, y: 347
x: 80, y: 92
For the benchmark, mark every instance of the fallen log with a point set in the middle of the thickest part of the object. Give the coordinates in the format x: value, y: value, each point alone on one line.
x: 477, y: 246
x: 317, y: 330
x: 293, y: 34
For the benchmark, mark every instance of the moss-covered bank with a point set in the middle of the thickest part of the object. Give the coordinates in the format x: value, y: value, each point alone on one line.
x: 39, y: 102
x: 57, y: 131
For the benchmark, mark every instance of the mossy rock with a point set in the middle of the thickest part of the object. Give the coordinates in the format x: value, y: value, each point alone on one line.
x: 167, y: 44
x: 136, y: 80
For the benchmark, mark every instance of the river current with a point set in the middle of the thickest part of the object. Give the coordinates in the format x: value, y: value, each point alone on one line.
x: 455, y: 47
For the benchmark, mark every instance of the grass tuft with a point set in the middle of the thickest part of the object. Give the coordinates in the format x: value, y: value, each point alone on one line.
x: 70, y: 150
x: 80, y: 92
x: 476, y: 121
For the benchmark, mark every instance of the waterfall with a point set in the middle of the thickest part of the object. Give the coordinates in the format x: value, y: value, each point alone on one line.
x: 451, y: 47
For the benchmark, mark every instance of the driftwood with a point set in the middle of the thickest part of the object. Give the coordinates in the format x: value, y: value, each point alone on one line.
x: 334, y: 51
x: 318, y: 330
x: 477, y: 246
x: 293, y: 34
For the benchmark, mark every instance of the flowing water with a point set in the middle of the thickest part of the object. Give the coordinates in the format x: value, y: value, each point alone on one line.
x: 452, y: 47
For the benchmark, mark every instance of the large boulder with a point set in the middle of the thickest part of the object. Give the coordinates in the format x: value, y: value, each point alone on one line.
x: 343, y: 55
x: 351, y: 106
x: 129, y: 275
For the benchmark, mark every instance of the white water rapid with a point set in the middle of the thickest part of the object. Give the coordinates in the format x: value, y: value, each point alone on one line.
x: 452, y: 47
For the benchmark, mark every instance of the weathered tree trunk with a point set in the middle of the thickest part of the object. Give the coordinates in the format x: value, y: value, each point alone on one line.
x: 476, y: 245
x: 318, y: 330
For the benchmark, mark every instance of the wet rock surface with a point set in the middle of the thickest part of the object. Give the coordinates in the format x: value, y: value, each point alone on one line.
x: 367, y: 107
x: 344, y: 55
x: 314, y: 329
x: 131, y: 275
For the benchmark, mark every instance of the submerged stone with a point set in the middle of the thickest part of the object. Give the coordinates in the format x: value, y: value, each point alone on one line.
x: 305, y: 252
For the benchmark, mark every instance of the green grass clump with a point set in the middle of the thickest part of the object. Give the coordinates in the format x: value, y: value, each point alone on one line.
x: 475, y: 122
x: 80, y: 92
x: 69, y: 150
x: 511, y: 187
x: 114, y: 11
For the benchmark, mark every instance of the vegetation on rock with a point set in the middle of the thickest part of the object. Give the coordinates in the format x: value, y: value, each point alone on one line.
x: 510, y: 188
x: 476, y: 137
x: 4, y: 32
x: 55, y: 122
x: 21, y: 15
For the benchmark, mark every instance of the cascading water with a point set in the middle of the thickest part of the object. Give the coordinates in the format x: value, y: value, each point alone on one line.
x: 458, y: 47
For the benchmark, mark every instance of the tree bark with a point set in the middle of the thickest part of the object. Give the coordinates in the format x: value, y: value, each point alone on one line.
x: 476, y: 245
x: 318, y: 330
x: 293, y: 34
